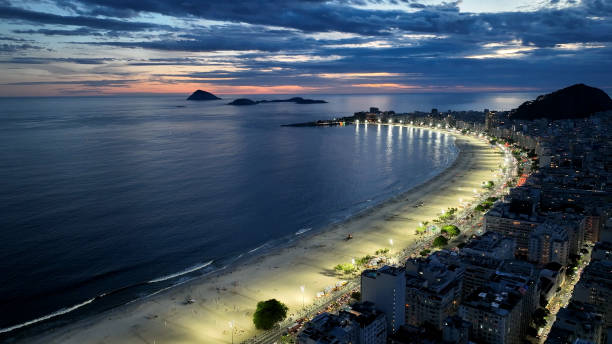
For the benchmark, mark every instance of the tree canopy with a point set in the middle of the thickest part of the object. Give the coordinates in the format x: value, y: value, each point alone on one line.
x: 451, y: 230
x: 268, y: 313
x: 440, y: 241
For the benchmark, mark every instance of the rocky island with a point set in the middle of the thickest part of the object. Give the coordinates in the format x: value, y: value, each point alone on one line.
x: 202, y: 95
x: 296, y: 100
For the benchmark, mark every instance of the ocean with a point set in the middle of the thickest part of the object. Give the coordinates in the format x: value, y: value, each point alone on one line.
x: 109, y: 199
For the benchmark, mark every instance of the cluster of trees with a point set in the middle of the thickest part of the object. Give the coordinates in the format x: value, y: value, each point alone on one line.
x: 349, y: 268
x: 382, y: 251
x: 487, y: 204
x: 448, y: 215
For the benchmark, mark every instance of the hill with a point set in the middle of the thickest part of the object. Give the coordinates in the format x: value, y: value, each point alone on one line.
x: 202, y: 95
x: 576, y: 101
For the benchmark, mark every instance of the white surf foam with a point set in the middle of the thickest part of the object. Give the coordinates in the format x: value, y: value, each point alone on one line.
x: 46, y: 317
x: 186, y: 271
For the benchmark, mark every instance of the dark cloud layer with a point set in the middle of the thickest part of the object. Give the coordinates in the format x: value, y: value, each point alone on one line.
x: 19, y: 14
x: 297, y: 41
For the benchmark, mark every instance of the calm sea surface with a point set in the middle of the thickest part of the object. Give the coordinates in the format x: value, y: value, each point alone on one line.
x: 103, y: 200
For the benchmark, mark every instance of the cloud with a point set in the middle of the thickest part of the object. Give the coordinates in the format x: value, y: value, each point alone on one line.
x: 96, y: 83
x: 20, y: 14
x: 359, y: 44
x: 12, y: 48
x: 54, y: 32
x: 47, y: 60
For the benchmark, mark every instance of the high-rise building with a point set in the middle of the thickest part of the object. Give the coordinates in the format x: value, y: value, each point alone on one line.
x: 362, y: 324
x: 489, y: 120
x: 548, y: 243
x: 481, y: 257
x: 455, y: 330
x: 513, y: 223
x: 386, y: 288
x: 595, y: 288
x: 577, y: 322
x: 494, y: 317
x: 433, y: 291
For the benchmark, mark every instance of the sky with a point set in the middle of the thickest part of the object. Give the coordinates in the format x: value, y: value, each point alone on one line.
x: 98, y: 47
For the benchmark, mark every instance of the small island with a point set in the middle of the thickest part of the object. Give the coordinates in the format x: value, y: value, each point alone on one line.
x: 296, y: 100
x: 202, y: 95
x: 242, y: 101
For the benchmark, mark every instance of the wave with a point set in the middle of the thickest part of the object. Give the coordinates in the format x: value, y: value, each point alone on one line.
x: 303, y: 230
x: 184, y: 272
x: 48, y: 316
x: 257, y: 248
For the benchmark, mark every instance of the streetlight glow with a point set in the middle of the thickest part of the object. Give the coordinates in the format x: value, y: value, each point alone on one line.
x: 302, y: 289
x: 231, y: 325
x: 391, y: 242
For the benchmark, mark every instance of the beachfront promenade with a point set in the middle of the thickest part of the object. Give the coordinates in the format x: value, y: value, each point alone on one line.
x: 232, y: 295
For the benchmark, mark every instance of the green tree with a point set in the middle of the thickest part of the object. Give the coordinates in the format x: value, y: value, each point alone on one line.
x: 440, y: 241
x: 364, y: 260
x: 382, y: 251
x: 287, y: 339
x: 268, y: 313
x: 451, y: 230
x: 345, y: 268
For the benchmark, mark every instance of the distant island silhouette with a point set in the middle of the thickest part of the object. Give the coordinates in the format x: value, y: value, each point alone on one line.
x: 202, y: 95
x: 296, y: 100
x: 576, y: 101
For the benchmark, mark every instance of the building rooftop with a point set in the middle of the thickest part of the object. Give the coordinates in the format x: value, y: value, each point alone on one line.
x: 486, y: 299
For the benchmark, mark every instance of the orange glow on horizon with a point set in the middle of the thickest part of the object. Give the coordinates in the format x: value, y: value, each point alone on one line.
x: 157, y: 87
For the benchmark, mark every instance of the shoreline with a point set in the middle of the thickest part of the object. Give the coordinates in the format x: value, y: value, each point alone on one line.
x: 162, y: 317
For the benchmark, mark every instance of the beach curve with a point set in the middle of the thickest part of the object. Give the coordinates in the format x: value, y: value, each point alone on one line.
x: 233, y: 294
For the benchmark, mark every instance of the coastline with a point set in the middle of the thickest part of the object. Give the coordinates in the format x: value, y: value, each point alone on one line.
x: 224, y: 296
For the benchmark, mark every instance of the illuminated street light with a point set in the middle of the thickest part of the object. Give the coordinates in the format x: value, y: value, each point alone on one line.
x: 302, y: 289
x: 353, y: 261
x: 391, y: 242
x: 231, y: 325
x: 356, y: 121
x: 390, y: 121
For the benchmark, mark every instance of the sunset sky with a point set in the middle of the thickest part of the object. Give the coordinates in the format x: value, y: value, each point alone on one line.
x: 90, y: 47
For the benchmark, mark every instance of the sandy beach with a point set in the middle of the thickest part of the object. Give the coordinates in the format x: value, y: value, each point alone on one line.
x: 233, y: 294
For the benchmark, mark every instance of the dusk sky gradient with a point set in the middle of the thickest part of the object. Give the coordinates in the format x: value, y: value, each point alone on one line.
x: 92, y: 47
